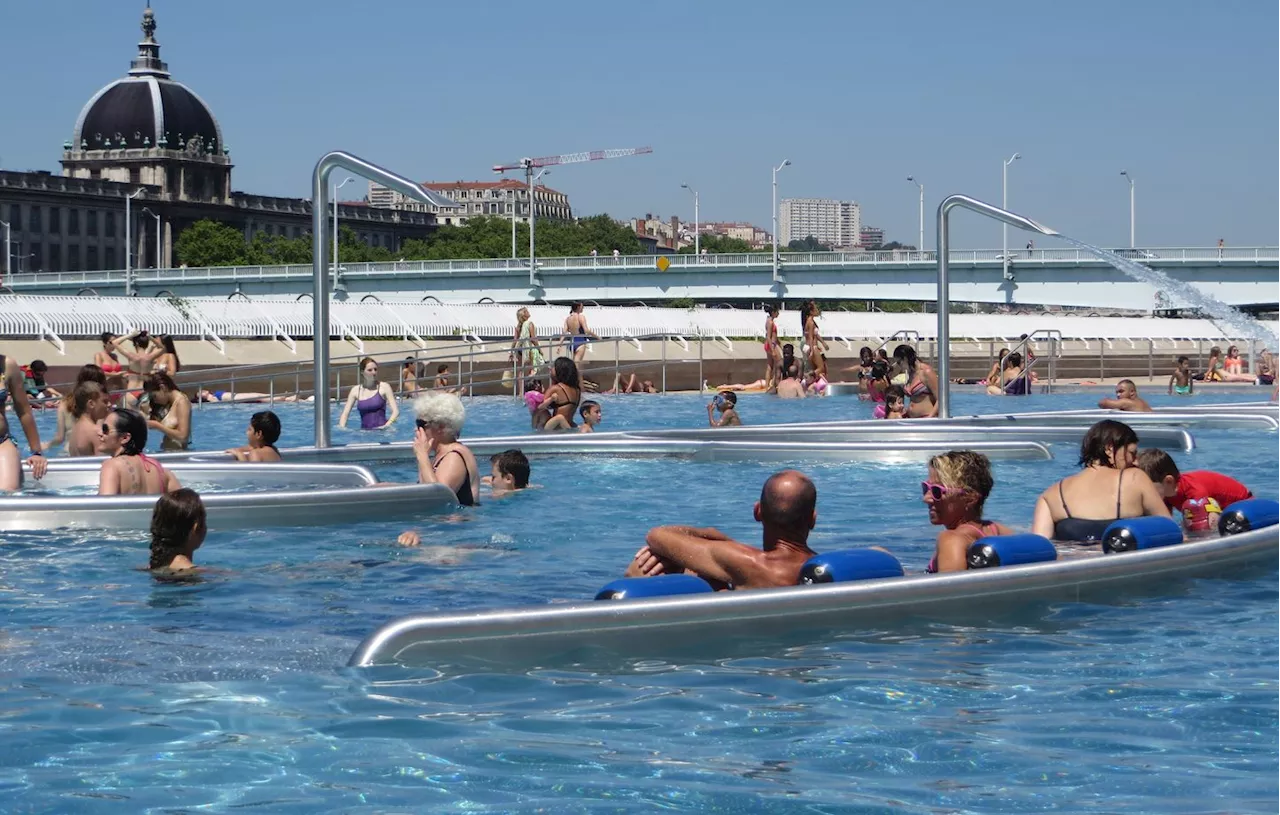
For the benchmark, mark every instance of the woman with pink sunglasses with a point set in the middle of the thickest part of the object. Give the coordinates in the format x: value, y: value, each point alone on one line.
x: 959, y: 483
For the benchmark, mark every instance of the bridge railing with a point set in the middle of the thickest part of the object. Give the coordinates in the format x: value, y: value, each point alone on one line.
x: 626, y: 264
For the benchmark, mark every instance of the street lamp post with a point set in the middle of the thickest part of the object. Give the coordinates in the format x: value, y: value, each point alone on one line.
x: 8, y: 255
x: 1004, y: 204
x: 697, y: 232
x: 912, y: 179
x: 157, y: 217
x: 785, y: 163
x: 533, y: 181
x: 336, y: 187
x: 1125, y: 173
x: 128, y: 242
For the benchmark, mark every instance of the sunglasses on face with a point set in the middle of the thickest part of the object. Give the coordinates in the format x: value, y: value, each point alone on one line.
x: 107, y: 429
x: 421, y: 424
x: 938, y: 491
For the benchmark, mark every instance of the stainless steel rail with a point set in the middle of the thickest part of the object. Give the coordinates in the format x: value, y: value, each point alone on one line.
x: 76, y: 473
x: 944, y: 278
x: 228, y: 510
x: 542, y: 635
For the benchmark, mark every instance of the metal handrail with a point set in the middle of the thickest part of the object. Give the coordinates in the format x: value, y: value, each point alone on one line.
x: 630, y: 263
x: 276, y: 328
x: 409, y: 333
x: 1023, y: 346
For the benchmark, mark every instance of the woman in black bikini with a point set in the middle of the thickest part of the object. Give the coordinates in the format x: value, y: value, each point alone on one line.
x: 439, y: 419
x: 1080, y: 507
x: 561, y: 404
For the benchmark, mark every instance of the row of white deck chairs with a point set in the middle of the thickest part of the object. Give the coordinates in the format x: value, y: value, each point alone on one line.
x: 289, y: 320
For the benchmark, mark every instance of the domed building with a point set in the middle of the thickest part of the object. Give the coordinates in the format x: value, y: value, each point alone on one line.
x: 147, y: 159
x: 148, y: 129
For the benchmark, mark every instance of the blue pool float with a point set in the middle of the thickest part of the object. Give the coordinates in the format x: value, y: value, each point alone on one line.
x: 845, y: 565
x: 664, y: 585
x: 1251, y: 513
x: 1010, y: 550
x: 1136, y: 534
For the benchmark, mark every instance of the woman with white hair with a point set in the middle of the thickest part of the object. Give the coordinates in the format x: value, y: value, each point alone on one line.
x: 439, y: 417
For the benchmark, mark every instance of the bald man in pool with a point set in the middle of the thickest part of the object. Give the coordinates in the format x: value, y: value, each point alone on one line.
x: 787, y: 511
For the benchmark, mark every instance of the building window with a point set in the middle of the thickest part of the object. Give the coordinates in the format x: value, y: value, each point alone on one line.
x: 91, y: 258
x: 91, y: 223
x: 109, y: 224
x: 15, y: 216
x: 35, y: 223
x: 110, y: 253
x: 35, y: 263
x: 55, y: 257
x: 55, y: 220
x: 73, y: 227
x: 135, y: 175
x: 73, y: 256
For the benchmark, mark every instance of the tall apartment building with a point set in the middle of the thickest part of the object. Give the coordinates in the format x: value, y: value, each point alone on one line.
x: 837, y: 224
x: 472, y: 198
x: 872, y: 236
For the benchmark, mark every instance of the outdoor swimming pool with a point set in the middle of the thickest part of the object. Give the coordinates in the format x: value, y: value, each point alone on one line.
x: 127, y: 695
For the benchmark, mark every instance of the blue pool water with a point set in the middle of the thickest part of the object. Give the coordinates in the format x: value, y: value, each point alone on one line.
x: 121, y: 694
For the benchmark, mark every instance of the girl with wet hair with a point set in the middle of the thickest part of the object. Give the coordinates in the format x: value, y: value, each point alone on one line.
x: 563, y: 396
x: 177, y: 529
x: 66, y: 414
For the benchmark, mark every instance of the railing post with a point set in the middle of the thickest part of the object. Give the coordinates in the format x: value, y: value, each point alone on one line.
x: 297, y: 380
x: 233, y: 387
x: 1151, y: 359
x: 664, y: 364
x: 702, y: 380
x: 1102, y: 359
x: 271, y: 391
x: 617, y: 350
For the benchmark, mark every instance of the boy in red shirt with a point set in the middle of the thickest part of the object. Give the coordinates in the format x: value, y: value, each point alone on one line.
x: 1199, y: 495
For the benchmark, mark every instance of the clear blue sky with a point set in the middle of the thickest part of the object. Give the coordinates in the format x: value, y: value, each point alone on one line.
x: 857, y: 94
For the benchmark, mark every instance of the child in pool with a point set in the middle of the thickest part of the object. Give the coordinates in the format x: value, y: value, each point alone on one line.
x: 1180, y: 381
x: 509, y: 473
x: 262, y: 434
x: 591, y: 416
x: 726, y: 403
x: 1199, y: 495
x: 894, y: 405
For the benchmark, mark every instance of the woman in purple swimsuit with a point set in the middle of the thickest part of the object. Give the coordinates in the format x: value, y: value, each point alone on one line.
x: 371, y: 398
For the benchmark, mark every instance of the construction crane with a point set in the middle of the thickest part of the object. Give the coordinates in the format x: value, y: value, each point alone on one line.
x: 529, y: 165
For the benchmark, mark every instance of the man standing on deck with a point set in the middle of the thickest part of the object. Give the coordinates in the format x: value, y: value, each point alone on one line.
x: 786, y: 509
x: 1127, y: 398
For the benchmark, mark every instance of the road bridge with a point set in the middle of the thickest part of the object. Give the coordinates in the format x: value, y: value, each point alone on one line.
x: 1069, y: 277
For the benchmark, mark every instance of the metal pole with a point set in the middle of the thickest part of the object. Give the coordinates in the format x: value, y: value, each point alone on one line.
x: 334, y: 257
x: 128, y: 248
x: 514, y: 205
x: 1131, y: 215
x: 944, y: 282
x: 697, y: 232
x: 1004, y: 204
x: 320, y: 281
x: 664, y: 364
x: 159, y: 254
x: 785, y: 162
x: 528, y: 174
x: 8, y: 254
x: 921, y: 243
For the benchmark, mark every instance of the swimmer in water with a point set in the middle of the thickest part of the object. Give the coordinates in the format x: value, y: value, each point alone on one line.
x: 727, y: 404
x: 789, y: 385
x: 128, y: 471
x: 509, y: 472
x: 591, y: 416
x: 1108, y: 488
x: 262, y: 434
x: 787, y: 510
x: 894, y: 405
x: 1180, y: 381
x: 178, y: 528
x: 958, y: 485
x: 1127, y: 398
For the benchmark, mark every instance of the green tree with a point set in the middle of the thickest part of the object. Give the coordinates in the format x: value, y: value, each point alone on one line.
x: 717, y: 244
x: 809, y: 244
x: 210, y: 243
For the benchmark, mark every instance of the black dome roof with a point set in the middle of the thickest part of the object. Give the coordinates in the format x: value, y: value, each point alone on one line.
x: 146, y: 111
x: 147, y: 108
